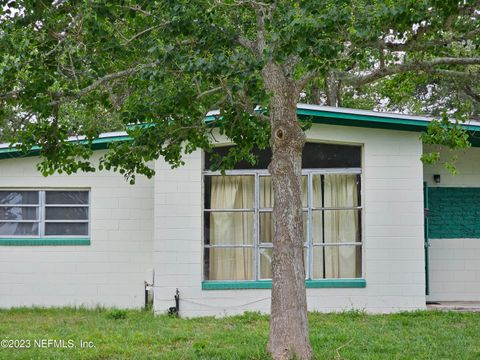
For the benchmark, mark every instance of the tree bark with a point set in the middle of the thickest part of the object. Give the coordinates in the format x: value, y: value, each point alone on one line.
x: 333, y: 90
x: 288, y: 318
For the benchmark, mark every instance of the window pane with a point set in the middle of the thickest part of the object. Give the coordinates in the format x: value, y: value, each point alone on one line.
x: 317, y: 226
x: 337, y: 226
x: 228, y: 264
x: 266, y: 227
x: 18, y: 213
x: 66, y: 213
x: 229, y: 192
x: 266, y: 262
x: 66, y: 197
x: 318, y: 155
x: 19, y: 229
x: 266, y: 192
x: 337, y: 262
x: 67, y: 229
x: 19, y: 197
x: 229, y: 228
x: 314, y: 155
x: 338, y: 190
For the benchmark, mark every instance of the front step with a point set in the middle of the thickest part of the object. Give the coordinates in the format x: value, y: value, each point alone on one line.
x: 459, y: 306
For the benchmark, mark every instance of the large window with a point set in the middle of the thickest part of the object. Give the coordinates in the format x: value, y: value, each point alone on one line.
x: 238, y: 230
x: 44, y: 213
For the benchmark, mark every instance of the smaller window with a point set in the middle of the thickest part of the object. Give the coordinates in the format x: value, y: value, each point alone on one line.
x: 44, y: 213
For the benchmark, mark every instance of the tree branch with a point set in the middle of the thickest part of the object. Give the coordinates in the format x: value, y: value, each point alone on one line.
x: 144, y: 32
x: 414, y: 44
x: 263, y: 11
x: 455, y: 74
x: 137, y: 9
x: 468, y: 90
x: 62, y: 98
x: 359, y: 80
x: 247, y: 43
x: 208, y: 92
x: 305, y: 79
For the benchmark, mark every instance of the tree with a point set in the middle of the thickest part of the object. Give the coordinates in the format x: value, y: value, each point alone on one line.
x: 83, y: 67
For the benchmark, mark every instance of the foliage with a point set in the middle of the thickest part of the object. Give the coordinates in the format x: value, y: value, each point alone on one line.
x: 154, y: 69
x: 349, y: 335
x: 444, y: 133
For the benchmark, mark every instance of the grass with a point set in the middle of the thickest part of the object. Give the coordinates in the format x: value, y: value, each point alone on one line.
x: 121, y: 334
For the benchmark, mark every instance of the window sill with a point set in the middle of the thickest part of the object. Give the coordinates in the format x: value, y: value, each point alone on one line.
x: 267, y: 284
x: 43, y: 241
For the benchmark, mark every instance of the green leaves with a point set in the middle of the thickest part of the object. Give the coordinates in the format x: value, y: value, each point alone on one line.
x: 57, y: 61
x: 448, y: 134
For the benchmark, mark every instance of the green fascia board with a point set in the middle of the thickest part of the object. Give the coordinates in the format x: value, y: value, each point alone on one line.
x: 359, y: 120
x: 368, y: 121
x: 267, y: 284
x: 97, y: 144
x: 43, y: 241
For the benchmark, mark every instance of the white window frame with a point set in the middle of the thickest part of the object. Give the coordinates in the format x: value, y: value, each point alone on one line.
x: 41, y: 220
x: 309, y: 245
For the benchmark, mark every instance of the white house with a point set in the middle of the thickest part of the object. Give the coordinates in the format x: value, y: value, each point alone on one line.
x: 93, y: 239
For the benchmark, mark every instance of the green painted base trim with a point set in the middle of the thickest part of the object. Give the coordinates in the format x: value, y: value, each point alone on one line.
x: 336, y: 283
x: 43, y: 241
x: 267, y: 284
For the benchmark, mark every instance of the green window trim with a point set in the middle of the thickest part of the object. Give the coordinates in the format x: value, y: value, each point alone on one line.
x: 43, y: 241
x: 267, y: 284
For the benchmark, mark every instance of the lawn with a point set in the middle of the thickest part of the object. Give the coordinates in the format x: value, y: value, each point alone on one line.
x: 118, y: 334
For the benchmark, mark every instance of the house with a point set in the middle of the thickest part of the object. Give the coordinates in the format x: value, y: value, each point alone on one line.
x: 92, y: 239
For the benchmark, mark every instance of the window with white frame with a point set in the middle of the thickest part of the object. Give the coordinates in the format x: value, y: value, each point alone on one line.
x: 44, y: 213
x: 238, y: 229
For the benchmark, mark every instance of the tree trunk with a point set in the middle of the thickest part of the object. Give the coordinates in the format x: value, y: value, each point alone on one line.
x: 288, y: 319
x: 332, y: 89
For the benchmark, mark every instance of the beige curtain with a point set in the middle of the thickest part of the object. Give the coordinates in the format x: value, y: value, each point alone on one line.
x: 341, y: 226
x: 231, y: 228
x: 317, y: 227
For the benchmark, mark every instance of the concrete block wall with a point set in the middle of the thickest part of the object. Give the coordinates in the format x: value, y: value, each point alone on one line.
x: 392, y: 232
x: 455, y: 261
x: 110, y: 272
x: 455, y: 270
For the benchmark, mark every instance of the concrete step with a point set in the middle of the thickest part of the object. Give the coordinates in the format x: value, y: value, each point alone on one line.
x: 460, y: 306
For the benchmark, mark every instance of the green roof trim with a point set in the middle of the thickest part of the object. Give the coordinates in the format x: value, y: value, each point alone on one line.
x: 267, y: 284
x: 43, y: 241
x: 369, y: 121
x: 97, y: 144
x: 318, y: 115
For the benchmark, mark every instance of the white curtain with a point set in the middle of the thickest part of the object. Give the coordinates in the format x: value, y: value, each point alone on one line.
x: 231, y: 228
x: 341, y: 226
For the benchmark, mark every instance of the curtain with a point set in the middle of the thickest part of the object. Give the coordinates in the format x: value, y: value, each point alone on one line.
x: 317, y: 227
x: 231, y: 228
x: 341, y: 226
